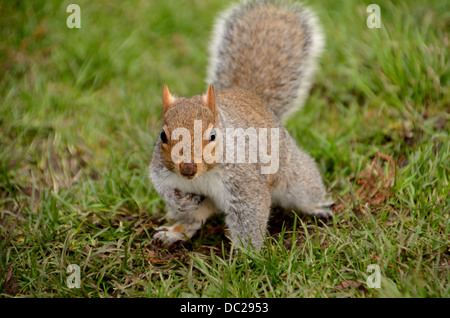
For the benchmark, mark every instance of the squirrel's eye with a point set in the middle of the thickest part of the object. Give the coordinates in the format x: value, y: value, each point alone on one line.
x: 212, y: 135
x: 163, y: 136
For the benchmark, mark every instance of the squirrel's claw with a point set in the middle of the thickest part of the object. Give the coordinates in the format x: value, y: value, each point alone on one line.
x: 323, y: 211
x: 167, y: 237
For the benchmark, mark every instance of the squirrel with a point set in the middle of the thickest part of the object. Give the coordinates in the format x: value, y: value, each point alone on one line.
x: 263, y: 56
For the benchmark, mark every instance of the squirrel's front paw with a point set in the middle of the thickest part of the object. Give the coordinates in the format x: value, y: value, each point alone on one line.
x: 166, y: 236
x: 179, y: 232
x: 186, y: 201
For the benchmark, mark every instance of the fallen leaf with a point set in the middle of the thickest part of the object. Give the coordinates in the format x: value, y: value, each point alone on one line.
x: 349, y: 284
x: 375, y: 184
x: 10, y: 286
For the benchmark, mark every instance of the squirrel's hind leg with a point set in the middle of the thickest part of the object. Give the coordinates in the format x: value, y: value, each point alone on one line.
x: 186, y: 224
x: 300, y: 187
x: 301, y: 198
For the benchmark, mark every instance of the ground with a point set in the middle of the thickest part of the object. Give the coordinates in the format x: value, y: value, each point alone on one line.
x: 80, y: 110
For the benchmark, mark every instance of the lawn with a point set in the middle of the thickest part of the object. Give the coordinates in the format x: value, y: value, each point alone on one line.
x: 80, y: 110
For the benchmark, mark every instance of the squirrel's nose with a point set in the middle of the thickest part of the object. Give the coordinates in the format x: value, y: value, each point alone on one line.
x: 188, y: 169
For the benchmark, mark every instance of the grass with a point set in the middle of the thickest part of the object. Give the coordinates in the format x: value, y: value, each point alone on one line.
x: 80, y: 110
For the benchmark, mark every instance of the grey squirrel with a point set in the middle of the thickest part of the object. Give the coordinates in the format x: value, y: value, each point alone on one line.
x: 263, y: 55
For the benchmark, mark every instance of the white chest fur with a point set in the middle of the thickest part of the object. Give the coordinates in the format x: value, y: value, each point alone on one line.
x: 208, y: 184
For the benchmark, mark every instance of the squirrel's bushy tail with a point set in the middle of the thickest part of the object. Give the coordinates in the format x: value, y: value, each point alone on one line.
x: 269, y: 47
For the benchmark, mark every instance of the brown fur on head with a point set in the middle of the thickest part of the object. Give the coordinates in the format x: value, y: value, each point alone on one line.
x: 180, y: 112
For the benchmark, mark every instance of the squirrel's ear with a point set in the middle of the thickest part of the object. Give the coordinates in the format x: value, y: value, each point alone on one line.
x: 167, y: 98
x: 210, y: 99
